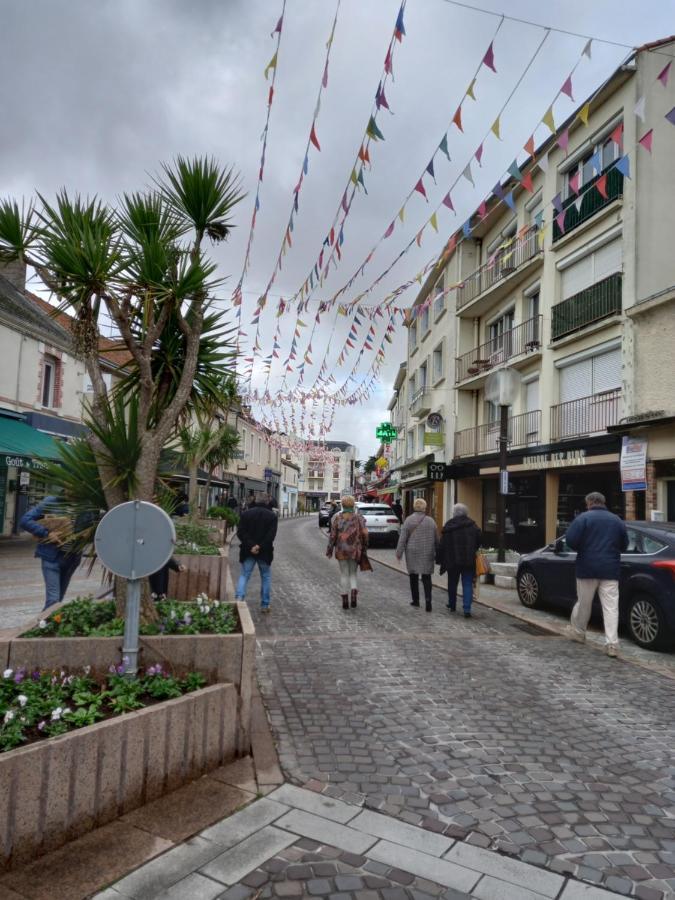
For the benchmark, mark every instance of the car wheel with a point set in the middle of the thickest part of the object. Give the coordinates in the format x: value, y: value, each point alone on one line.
x: 646, y: 622
x: 529, y: 591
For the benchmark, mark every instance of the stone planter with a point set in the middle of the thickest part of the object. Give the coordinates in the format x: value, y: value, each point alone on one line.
x: 56, y: 790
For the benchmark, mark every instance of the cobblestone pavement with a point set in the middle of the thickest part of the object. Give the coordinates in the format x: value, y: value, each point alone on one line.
x: 503, y: 737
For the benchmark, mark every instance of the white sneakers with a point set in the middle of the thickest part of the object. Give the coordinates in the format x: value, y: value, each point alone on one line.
x: 574, y: 635
x: 612, y: 650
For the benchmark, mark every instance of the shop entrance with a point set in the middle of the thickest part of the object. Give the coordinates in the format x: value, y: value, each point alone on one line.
x: 574, y: 487
x: 670, y: 501
x: 525, y: 513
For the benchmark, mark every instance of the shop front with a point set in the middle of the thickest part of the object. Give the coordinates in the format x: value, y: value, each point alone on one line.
x: 414, y: 482
x: 547, y: 487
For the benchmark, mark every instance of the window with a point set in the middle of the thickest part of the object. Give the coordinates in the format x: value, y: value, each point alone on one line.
x: 532, y: 395
x: 411, y: 387
x: 596, y: 159
x: 425, y: 320
x: 422, y: 377
x: 437, y: 363
x: 591, y: 269
x: 412, y: 336
x: 536, y: 211
x: 439, y: 301
x: 420, y: 440
x: 244, y: 441
x: 410, y: 444
x: 500, y: 337
x: 89, y: 387
x: 48, y: 379
x: 592, y: 376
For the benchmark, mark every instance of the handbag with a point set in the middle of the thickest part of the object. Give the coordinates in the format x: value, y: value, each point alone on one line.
x: 364, y: 562
x: 482, y: 565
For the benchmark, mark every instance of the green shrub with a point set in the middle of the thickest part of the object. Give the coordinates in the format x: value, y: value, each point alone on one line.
x: 195, y: 539
x: 225, y: 513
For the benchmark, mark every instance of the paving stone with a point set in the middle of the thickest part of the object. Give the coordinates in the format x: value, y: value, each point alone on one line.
x: 519, y: 873
x: 574, y: 890
x: 442, y: 871
x: 168, y: 868
x: 194, y: 887
x: 304, y: 823
x: 318, y: 887
x: 244, y: 823
x: 349, y: 882
x: 399, y: 833
x: 310, y: 801
x: 238, y: 892
x: 232, y: 865
x: 491, y: 888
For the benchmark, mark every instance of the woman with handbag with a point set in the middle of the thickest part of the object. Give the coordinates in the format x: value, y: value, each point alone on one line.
x: 349, y: 539
x: 460, y: 540
x: 419, y: 541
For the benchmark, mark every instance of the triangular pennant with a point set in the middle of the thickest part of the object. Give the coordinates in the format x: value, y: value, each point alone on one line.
x: 447, y: 201
x: 482, y: 209
x: 469, y: 90
x: 418, y: 239
x: 567, y: 87
x: 433, y: 221
x: 617, y: 134
x: 430, y: 169
x: 467, y: 174
x: 623, y: 165
x: 489, y: 58
x: 670, y: 116
x: 514, y: 171
x: 527, y: 182
x: 457, y: 118
x: 663, y: 74
x: 479, y: 155
x: 557, y: 202
x: 601, y: 185
x: 466, y: 228
x: 542, y: 162
x: 272, y: 64
x: 574, y: 182
x: 529, y: 146
x: 277, y: 30
x: 419, y: 187
x: 361, y: 181
x: 587, y: 49
x: 560, y: 221
x: 646, y: 140
x: 373, y: 131
x: 584, y: 113
x: 639, y: 108
x: 508, y: 199
x: 324, y: 80
x: 564, y: 139
x: 313, y: 138
x: 399, y: 29
x: 389, y: 231
x: 443, y: 146
x: 380, y: 99
x: 548, y: 120
x: 388, y: 62
x: 494, y: 128
x: 354, y: 180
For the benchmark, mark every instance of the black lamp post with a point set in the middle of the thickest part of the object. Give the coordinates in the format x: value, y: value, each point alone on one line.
x: 502, y: 388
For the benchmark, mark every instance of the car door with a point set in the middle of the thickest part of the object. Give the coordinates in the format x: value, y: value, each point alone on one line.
x: 636, y: 560
x: 560, y: 585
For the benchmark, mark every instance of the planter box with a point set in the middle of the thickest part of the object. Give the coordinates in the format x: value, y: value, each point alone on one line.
x: 57, y: 789
x: 205, y: 574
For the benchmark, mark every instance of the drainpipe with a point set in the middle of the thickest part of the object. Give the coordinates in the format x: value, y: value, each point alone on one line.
x: 18, y: 372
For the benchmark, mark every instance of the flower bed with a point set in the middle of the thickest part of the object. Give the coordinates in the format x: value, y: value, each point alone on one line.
x: 86, y: 617
x: 41, y: 704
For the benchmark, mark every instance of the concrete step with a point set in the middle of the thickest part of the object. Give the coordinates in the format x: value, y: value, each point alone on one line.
x: 505, y: 581
x: 505, y: 568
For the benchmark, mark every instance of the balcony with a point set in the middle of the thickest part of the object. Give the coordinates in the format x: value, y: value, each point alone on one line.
x: 524, y: 338
x: 586, y: 416
x: 512, y: 257
x: 420, y: 405
x: 524, y: 431
x: 592, y: 202
x: 594, y: 303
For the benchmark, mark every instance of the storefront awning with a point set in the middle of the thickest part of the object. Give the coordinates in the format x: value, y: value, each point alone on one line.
x: 19, y: 444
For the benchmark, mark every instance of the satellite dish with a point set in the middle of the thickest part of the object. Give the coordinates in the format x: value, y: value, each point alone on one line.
x: 502, y: 387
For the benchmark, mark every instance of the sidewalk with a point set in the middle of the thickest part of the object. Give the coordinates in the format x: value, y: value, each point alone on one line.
x: 507, y: 601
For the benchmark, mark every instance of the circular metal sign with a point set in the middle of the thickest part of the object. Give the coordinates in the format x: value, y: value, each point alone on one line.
x: 434, y: 420
x: 135, y: 539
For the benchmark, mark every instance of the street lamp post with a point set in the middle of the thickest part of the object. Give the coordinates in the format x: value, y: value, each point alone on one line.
x: 501, y: 389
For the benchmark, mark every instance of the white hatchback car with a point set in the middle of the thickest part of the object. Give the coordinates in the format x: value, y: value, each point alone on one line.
x: 381, y: 521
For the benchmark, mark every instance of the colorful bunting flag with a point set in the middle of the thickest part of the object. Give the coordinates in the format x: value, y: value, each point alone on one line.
x: 623, y: 165
x: 467, y: 174
x: 548, y: 120
x: 272, y: 64
x: 430, y: 169
x: 663, y: 74
x: 527, y: 182
x: 466, y: 228
x: 494, y: 128
x: 373, y: 131
x: 557, y: 202
x: 313, y: 138
x: 401, y: 213
x: 646, y: 140
x: 508, y: 199
x: 433, y: 221
x: 399, y: 29
x: 380, y: 99
x: 560, y: 221
x: 584, y: 113
x: 469, y: 90
x: 479, y: 155
x: 587, y: 49
x: 447, y: 201
x: 489, y: 58
x: 601, y: 185
x: 278, y: 28
x: 617, y: 134
x: 443, y: 146
x: 457, y: 118
x: 419, y: 187
x: 389, y: 231
x: 564, y: 140
x: 529, y: 146
x: 542, y: 162
x: 567, y: 87
x: 574, y: 182
x: 482, y: 209
x: 671, y: 116
x: 514, y: 171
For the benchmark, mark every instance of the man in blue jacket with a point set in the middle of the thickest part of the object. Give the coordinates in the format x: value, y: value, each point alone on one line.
x: 58, y: 561
x: 599, y: 537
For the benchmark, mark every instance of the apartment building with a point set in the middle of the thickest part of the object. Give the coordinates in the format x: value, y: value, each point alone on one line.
x: 256, y: 467
x: 570, y: 285
x: 327, y: 472
x: 290, y: 473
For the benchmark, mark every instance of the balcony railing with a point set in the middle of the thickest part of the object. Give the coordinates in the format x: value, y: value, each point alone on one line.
x: 592, y: 202
x: 590, y: 305
x: 505, y: 263
x: 524, y: 430
x: 588, y: 415
x: 524, y: 338
x: 421, y: 402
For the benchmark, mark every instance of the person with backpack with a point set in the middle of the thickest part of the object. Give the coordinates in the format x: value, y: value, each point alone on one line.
x: 419, y: 542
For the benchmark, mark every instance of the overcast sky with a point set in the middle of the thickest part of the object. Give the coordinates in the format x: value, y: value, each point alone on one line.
x: 96, y: 93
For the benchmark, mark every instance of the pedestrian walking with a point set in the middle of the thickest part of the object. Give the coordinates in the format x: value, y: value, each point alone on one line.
x: 419, y: 542
x: 398, y: 509
x: 599, y: 537
x: 256, y: 532
x: 48, y: 522
x: 349, y: 540
x: 232, y: 502
x: 460, y: 540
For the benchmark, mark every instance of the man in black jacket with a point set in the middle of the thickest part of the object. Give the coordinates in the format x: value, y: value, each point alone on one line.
x: 460, y: 540
x: 599, y: 537
x: 256, y: 532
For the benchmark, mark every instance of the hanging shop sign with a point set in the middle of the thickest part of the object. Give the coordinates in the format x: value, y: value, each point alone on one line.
x: 434, y: 439
x: 434, y: 421
x: 385, y: 433
x: 436, y: 471
x: 555, y: 460
x: 633, y: 464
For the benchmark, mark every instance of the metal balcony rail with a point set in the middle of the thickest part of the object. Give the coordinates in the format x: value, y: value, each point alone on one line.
x: 592, y: 202
x: 524, y: 338
x: 596, y: 302
x: 509, y: 258
x: 523, y: 431
x: 420, y: 399
x: 588, y: 415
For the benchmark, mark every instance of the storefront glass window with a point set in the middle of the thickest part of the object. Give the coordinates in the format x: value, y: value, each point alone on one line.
x: 574, y: 487
x: 525, y: 513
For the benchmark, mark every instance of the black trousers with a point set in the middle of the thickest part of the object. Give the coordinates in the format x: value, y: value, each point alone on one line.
x: 415, y: 587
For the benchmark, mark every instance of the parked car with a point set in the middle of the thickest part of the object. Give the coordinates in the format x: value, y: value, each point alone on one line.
x: 646, y: 585
x: 381, y: 521
x: 324, y: 515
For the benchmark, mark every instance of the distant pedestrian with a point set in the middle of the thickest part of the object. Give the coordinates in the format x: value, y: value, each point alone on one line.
x: 599, y: 537
x: 332, y: 509
x: 419, y: 542
x: 159, y: 581
x: 182, y: 505
x: 398, y: 509
x: 256, y: 532
x: 349, y: 539
x: 460, y: 540
x: 49, y: 523
x: 232, y: 502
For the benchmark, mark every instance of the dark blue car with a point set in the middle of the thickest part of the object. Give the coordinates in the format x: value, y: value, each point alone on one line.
x: 646, y: 587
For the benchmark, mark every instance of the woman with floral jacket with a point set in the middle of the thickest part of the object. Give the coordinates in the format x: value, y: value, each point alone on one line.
x: 348, y: 538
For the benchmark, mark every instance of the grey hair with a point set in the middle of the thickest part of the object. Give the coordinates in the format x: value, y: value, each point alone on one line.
x: 595, y: 498
x: 348, y: 501
x: 420, y: 505
x: 459, y: 509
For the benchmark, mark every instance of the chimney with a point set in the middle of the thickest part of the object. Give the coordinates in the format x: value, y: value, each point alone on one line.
x: 15, y: 272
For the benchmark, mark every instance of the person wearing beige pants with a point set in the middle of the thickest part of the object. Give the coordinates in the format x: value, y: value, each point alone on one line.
x: 608, y: 592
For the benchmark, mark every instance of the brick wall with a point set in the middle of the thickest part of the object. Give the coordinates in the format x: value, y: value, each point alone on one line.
x: 652, y: 500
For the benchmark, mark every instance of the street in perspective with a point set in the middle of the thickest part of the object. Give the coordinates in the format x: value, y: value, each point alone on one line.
x: 337, y: 451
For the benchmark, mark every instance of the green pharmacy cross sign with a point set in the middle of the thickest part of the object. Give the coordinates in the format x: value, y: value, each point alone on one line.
x: 385, y: 432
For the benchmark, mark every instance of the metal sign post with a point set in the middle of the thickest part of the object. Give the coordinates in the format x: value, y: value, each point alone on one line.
x: 133, y: 540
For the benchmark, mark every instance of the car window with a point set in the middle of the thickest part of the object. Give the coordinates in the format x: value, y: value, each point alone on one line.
x: 651, y: 545
x: 634, y: 541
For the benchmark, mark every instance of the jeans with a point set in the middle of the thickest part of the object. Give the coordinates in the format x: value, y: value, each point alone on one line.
x: 265, y: 579
x: 608, y: 592
x: 415, y: 587
x: 466, y: 575
x: 57, y: 574
x: 348, y: 570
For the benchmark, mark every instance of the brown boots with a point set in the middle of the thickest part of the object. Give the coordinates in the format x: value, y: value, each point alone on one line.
x: 355, y: 594
x: 345, y: 601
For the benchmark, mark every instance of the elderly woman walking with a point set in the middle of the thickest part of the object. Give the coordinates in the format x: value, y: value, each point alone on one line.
x: 419, y: 542
x: 349, y: 539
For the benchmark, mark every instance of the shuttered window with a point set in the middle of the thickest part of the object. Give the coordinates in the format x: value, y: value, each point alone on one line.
x: 592, y: 268
x: 591, y: 376
x: 532, y: 395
